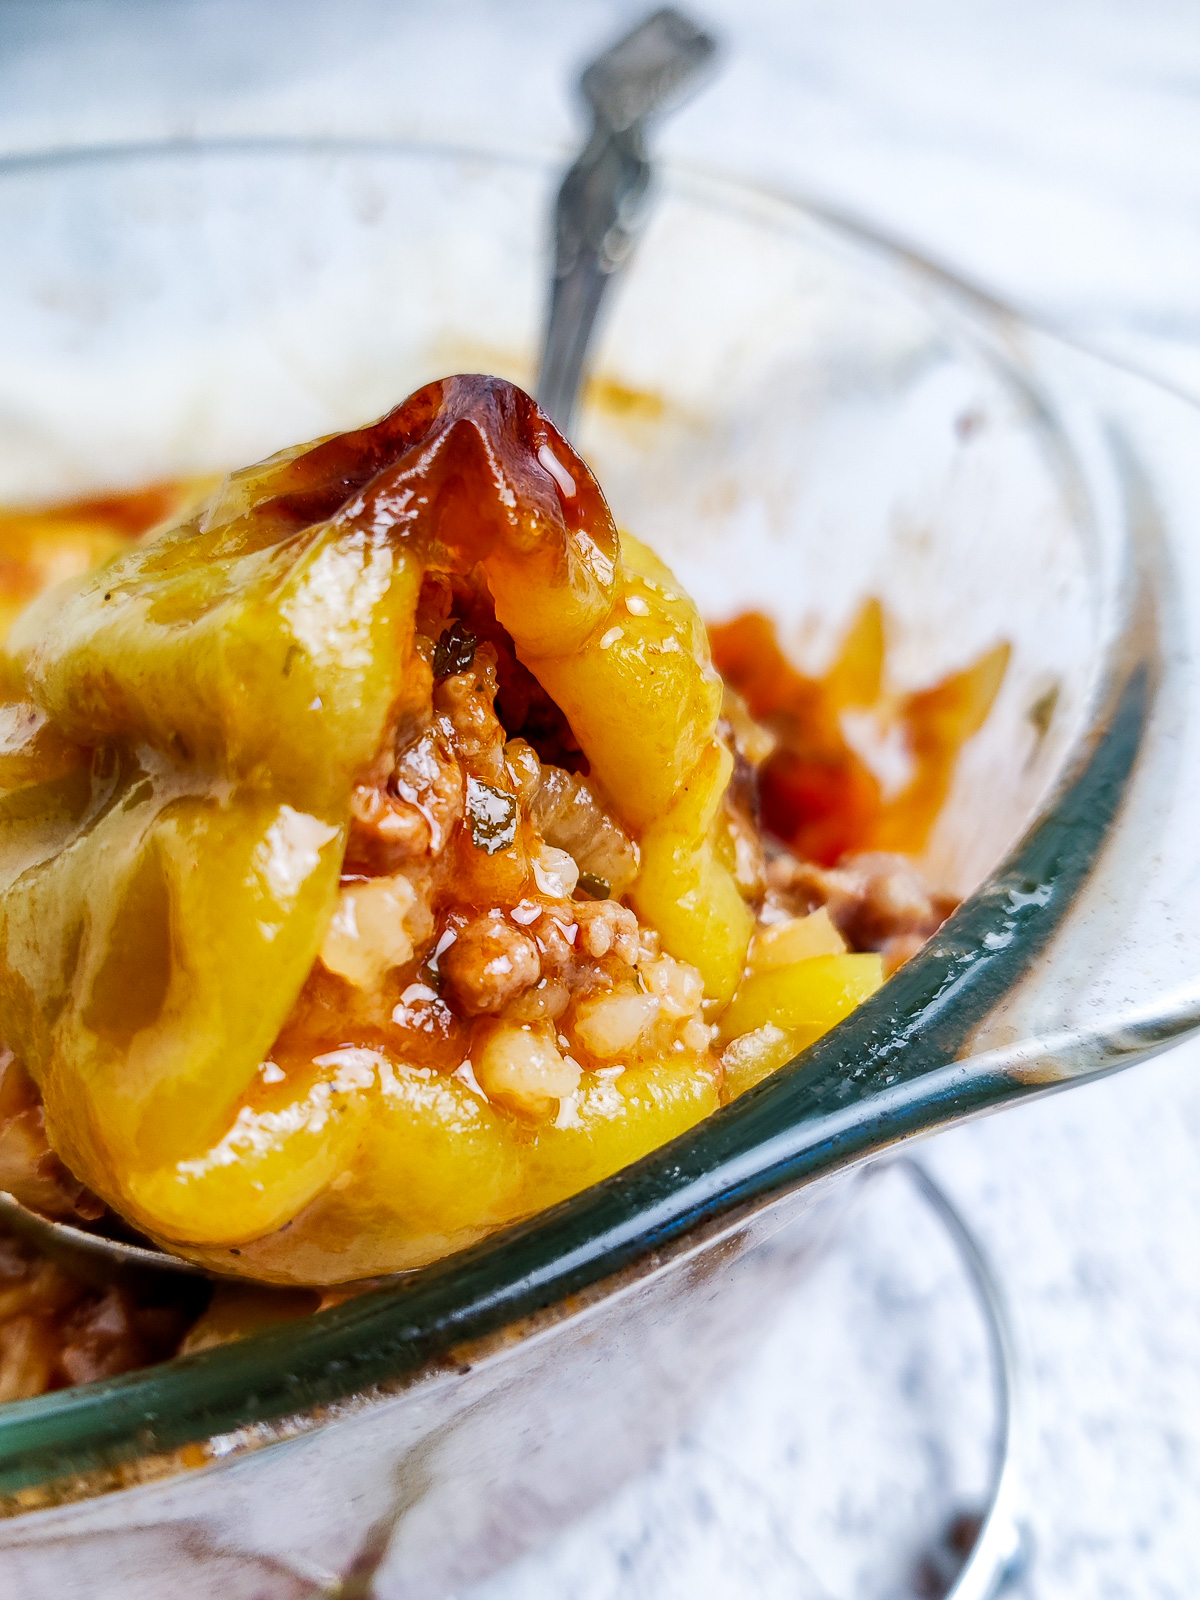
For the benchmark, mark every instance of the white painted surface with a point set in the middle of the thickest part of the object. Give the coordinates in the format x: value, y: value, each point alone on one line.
x: 1048, y: 151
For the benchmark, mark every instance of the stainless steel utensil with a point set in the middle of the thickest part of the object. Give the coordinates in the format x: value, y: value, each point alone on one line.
x: 92, y: 1256
x: 601, y: 204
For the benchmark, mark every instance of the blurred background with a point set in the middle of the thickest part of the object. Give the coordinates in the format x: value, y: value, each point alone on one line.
x: 1048, y: 151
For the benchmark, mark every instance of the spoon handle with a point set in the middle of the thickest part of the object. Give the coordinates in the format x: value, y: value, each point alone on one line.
x: 601, y: 202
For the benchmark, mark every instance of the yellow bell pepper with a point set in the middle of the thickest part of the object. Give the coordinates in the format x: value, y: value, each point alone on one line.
x: 185, y: 731
x: 244, y: 1043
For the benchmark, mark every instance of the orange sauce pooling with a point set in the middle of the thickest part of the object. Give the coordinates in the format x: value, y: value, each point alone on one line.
x: 43, y: 545
x: 819, y: 796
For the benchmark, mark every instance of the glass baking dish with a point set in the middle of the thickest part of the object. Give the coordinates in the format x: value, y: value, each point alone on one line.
x: 799, y: 416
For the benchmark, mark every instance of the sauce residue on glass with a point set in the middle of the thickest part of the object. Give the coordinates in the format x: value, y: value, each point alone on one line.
x: 43, y: 545
x: 819, y: 794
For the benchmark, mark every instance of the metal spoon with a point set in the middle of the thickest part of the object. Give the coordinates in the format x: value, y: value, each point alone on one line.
x: 95, y: 1257
x: 601, y: 204
x: 600, y: 207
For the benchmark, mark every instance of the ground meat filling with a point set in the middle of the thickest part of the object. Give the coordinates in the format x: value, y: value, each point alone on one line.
x: 479, y: 923
x: 489, y: 964
x: 57, y: 1330
x: 29, y: 1168
x: 877, y: 900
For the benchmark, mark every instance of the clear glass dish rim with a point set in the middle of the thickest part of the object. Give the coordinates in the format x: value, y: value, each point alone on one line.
x: 887, y: 1073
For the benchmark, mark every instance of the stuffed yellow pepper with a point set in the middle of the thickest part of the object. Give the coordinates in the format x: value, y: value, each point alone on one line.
x: 376, y: 866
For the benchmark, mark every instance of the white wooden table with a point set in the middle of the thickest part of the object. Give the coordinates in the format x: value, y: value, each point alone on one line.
x: 1049, y: 149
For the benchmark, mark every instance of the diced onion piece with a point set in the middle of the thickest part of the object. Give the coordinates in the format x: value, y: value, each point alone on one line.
x: 677, y: 985
x: 609, y: 1024
x: 567, y: 812
x: 519, y: 1064
x: 367, y: 936
x: 555, y: 872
